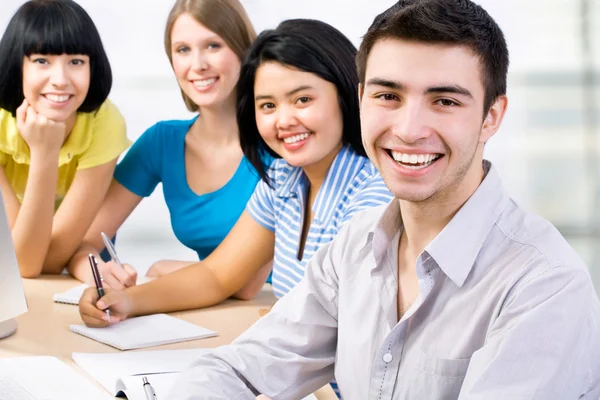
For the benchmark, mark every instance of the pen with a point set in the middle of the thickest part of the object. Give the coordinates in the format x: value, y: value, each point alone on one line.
x: 149, y: 390
x: 97, y: 279
x: 111, y: 249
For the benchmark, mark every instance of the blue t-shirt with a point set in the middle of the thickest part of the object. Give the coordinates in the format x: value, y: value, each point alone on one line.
x: 199, y: 222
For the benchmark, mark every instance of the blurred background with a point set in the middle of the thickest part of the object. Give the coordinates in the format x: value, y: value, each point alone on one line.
x: 546, y: 151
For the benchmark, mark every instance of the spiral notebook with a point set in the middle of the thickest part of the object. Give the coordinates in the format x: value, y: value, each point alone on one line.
x: 147, y: 331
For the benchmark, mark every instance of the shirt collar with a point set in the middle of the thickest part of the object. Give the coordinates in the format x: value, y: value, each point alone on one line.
x: 292, y: 183
x: 382, y: 233
x: 456, y: 247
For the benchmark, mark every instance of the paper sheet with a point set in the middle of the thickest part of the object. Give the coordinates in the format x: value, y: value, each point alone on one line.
x: 48, y: 378
x: 108, y: 368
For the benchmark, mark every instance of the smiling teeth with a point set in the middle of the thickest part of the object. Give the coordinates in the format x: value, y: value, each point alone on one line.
x: 297, y: 138
x: 414, y: 158
x: 57, y: 99
x: 205, y: 82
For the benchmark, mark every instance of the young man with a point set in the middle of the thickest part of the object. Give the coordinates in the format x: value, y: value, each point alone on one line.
x: 451, y: 291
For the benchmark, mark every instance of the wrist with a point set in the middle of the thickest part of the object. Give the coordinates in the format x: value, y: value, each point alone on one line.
x: 133, y: 294
x: 44, y: 156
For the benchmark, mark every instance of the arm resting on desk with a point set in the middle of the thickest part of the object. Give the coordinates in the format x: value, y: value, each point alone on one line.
x: 232, y: 266
x: 229, y: 268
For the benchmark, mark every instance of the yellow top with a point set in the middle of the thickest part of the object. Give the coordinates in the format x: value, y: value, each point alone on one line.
x: 97, y: 138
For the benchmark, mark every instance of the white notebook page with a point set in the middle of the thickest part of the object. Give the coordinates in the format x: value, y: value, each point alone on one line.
x: 108, y: 368
x: 146, y: 331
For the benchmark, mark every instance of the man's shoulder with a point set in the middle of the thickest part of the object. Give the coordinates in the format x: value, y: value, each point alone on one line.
x: 534, y: 234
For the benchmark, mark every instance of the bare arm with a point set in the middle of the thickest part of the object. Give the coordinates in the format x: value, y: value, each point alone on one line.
x: 31, y: 221
x: 255, y: 284
x: 164, y: 267
x: 76, y: 213
x: 44, y: 241
x: 245, y: 250
x: 118, y: 204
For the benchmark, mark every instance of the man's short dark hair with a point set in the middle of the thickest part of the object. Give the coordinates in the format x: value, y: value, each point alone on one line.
x: 458, y: 22
x: 51, y: 27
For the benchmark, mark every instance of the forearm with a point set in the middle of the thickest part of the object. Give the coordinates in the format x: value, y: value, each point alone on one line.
x: 32, y: 229
x: 79, y: 266
x: 164, y: 267
x: 63, y: 248
x: 255, y: 284
x: 192, y: 287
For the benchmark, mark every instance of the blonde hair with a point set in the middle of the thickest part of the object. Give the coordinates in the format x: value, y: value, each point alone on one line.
x: 226, y: 18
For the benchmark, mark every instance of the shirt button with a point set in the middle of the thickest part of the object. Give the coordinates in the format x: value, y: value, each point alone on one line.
x: 387, y: 358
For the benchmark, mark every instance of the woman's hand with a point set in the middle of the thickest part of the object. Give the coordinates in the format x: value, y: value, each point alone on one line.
x: 92, y: 309
x: 40, y: 133
x: 116, y: 277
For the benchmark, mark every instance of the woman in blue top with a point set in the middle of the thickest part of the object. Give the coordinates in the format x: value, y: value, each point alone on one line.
x: 298, y: 96
x: 206, y: 179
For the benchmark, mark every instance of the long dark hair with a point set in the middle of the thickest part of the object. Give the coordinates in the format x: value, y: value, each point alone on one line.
x: 310, y: 46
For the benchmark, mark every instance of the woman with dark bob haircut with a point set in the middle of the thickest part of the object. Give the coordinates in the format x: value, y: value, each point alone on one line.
x: 298, y: 100
x: 60, y: 136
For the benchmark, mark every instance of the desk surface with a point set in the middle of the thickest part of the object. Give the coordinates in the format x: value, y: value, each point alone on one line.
x: 43, y: 330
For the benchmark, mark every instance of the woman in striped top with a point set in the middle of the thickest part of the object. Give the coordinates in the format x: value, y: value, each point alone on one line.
x: 298, y: 101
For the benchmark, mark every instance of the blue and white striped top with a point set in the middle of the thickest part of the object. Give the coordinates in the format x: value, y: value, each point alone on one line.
x: 351, y: 184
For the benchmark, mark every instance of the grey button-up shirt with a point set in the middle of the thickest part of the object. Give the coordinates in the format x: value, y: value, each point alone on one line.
x: 506, y: 310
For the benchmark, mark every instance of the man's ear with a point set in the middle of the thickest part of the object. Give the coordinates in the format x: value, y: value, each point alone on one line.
x: 493, y: 119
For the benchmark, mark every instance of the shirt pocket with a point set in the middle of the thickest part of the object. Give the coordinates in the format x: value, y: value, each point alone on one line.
x: 433, y: 378
x: 442, y: 367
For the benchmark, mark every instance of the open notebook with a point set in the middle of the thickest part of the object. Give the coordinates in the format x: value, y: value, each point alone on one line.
x: 147, y: 331
x: 121, y: 373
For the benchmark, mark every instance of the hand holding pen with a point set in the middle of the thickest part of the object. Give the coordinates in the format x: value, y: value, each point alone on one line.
x: 92, y: 306
x: 116, y: 274
x: 97, y: 280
